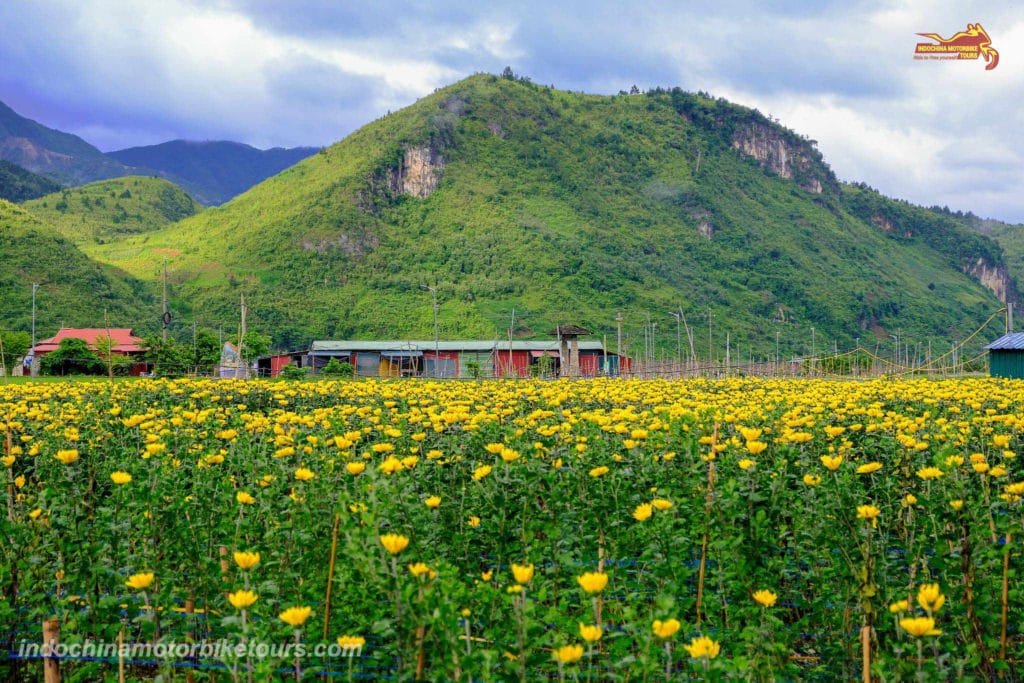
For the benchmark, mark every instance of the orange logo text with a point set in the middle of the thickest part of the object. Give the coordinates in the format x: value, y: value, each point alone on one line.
x: 969, y: 44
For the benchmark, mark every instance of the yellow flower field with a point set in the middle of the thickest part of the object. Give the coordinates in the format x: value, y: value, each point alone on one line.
x: 606, y: 529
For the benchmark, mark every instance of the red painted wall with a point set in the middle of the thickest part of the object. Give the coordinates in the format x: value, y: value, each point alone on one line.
x: 277, y: 364
x: 445, y: 355
x: 520, y: 363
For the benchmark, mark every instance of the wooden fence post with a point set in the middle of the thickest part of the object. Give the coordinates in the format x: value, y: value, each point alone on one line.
x: 51, y: 638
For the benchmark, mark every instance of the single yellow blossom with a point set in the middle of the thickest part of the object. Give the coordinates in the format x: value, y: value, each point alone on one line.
x: 569, y: 654
x: 295, y: 616
x: 140, y: 581
x: 242, y: 598
x: 919, y: 626
x: 394, y: 543
x: 593, y: 582
x: 246, y: 560
x: 765, y: 598
x: 522, y: 573
x: 701, y: 647
x: 665, y: 629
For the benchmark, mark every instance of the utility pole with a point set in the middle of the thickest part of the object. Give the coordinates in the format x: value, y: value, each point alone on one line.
x: 241, y: 340
x: 1009, y: 317
x: 618, y: 334
x: 654, y: 353
x: 689, y: 336
x: 710, y: 355
x: 647, y: 346
x: 34, y: 369
x: 679, y: 337
x: 165, y: 318
x: 437, y: 358
x: 110, y: 348
x: 510, y: 328
x: 727, y: 359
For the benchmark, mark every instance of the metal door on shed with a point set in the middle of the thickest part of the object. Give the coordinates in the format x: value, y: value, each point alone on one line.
x: 367, y: 364
x: 483, y: 359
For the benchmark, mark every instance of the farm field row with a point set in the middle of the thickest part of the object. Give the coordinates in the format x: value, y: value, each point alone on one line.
x: 495, y: 530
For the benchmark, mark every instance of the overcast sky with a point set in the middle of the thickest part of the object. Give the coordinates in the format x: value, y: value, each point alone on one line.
x: 308, y: 72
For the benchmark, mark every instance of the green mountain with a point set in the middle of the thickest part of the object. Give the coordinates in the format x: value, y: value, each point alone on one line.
x: 65, y: 158
x: 73, y: 289
x: 212, y: 172
x: 17, y: 184
x: 108, y: 209
x: 1009, y: 236
x: 568, y: 208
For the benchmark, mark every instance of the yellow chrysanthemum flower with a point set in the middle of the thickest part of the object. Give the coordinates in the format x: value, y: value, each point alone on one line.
x: 141, y: 581
x: 295, y: 616
x: 701, y: 647
x: 930, y: 597
x: 832, y: 462
x: 394, y: 543
x: 591, y: 634
x: 593, y: 582
x: 242, y: 599
x: 920, y: 626
x: 643, y: 512
x: 522, y: 573
x: 246, y: 560
x: 569, y: 654
x: 665, y: 629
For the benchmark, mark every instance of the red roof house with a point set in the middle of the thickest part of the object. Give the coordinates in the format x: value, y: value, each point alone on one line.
x: 125, y: 342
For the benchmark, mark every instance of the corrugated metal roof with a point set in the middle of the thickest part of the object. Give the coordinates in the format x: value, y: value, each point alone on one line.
x: 1014, y: 341
x: 412, y: 345
x: 326, y: 346
x: 583, y: 345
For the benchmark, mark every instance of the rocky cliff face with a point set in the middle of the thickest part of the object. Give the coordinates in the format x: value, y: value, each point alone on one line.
x: 996, y: 278
x: 418, y: 173
x: 787, y: 158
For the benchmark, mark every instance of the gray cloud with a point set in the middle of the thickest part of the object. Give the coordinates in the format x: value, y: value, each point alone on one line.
x: 311, y: 71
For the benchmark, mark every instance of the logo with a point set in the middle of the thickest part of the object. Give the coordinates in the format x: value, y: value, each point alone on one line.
x: 969, y: 44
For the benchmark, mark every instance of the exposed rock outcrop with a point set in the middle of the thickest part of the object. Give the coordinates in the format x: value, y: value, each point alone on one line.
x: 418, y: 173
x: 787, y: 158
x: 996, y: 278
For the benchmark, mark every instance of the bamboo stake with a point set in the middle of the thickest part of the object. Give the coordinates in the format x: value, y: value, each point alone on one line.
x: 190, y: 608
x: 707, y: 528
x: 600, y: 569
x: 865, y: 646
x: 51, y: 638
x: 10, y: 486
x: 421, y: 653
x: 120, y: 655
x: 330, y: 575
x: 1006, y: 596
